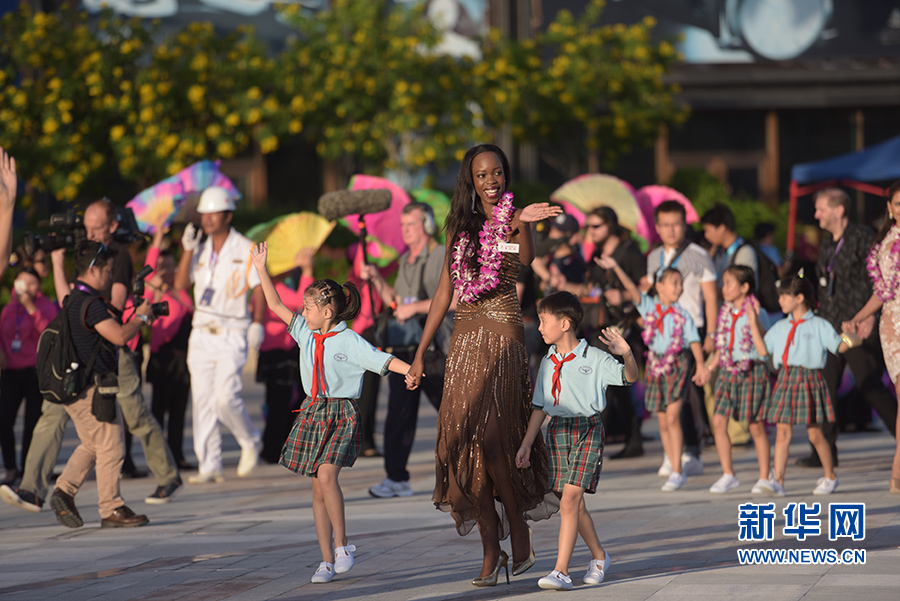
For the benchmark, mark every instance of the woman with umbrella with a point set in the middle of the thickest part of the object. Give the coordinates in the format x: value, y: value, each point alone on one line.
x: 485, y: 409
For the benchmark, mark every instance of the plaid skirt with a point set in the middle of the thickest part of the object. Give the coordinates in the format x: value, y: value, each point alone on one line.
x: 800, y: 396
x: 660, y: 392
x: 325, y: 431
x: 743, y: 397
x: 575, y: 446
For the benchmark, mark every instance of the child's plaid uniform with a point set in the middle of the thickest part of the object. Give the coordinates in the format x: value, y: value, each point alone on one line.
x: 743, y: 396
x: 800, y: 396
x: 661, y: 392
x: 575, y: 446
x: 326, y: 431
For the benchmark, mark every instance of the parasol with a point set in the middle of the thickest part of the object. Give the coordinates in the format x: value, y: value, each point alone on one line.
x: 197, y: 178
x: 583, y: 194
x: 165, y: 198
x: 293, y: 233
x: 650, y: 197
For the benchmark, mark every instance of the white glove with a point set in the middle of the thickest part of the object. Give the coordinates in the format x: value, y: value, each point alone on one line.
x: 255, y: 334
x: 190, y: 240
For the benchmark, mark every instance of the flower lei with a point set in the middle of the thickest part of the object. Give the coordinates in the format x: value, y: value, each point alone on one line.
x: 494, y: 232
x: 662, y: 365
x: 723, y: 333
x: 886, y: 289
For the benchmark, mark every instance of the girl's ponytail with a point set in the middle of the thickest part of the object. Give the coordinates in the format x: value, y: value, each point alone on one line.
x: 352, y: 305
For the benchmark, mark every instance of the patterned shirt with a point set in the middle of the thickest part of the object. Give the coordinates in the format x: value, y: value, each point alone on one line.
x: 696, y: 267
x: 852, y: 287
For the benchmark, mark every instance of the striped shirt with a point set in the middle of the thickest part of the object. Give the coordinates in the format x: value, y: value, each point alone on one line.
x: 696, y: 268
x: 85, y: 339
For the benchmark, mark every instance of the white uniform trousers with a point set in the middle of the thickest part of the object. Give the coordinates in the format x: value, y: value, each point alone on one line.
x: 215, y: 361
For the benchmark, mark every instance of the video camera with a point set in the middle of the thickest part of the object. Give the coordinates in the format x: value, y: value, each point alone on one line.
x: 158, y: 309
x: 69, y: 231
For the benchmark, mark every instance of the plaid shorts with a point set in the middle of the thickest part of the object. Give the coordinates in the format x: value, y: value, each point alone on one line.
x: 575, y: 446
x: 800, y: 396
x: 660, y: 392
x: 325, y: 431
x: 743, y: 397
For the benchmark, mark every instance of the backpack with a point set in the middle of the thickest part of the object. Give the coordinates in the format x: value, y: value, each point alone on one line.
x: 766, y: 279
x: 61, y: 376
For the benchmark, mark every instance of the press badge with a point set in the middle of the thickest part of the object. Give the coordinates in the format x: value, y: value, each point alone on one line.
x: 506, y: 247
x: 206, y: 299
x: 16, y: 345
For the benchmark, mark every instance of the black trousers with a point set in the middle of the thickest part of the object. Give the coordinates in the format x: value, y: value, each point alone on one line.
x: 368, y: 398
x: 168, y: 372
x: 403, y: 411
x: 16, y: 385
x: 867, y: 364
x: 280, y: 370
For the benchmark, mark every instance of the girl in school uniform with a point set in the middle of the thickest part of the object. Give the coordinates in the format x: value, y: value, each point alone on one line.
x: 799, y: 344
x: 673, y: 341
x: 742, y: 388
x: 326, y: 435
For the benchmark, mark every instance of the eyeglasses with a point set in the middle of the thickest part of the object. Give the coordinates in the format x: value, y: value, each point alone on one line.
x: 593, y: 226
x: 102, y: 249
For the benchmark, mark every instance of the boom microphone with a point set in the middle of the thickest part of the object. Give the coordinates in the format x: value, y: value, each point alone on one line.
x: 335, y: 205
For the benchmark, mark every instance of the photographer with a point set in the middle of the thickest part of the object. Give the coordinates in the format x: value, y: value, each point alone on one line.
x: 99, y: 224
x: 97, y: 420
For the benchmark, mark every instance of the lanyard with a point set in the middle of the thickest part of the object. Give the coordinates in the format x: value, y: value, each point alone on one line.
x: 837, y: 249
x: 734, y: 246
x: 662, y: 260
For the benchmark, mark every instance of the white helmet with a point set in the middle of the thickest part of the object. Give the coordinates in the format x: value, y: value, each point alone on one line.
x: 215, y: 199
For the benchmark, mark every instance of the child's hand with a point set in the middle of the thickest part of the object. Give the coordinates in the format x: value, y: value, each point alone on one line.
x: 260, y: 252
x: 606, y: 262
x: 702, y: 375
x: 523, y: 457
x: 755, y: 308
x: 613, y: 339
x: 414, y: 375
x: 411, y: 381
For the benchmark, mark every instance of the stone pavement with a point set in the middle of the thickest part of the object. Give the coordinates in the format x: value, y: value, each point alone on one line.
x: 253, y: 538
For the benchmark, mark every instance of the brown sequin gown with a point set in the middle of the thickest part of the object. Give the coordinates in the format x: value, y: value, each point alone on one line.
x: 487, y: 370
x: 889, y: 326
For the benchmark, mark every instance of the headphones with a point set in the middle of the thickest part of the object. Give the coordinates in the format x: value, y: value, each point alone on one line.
x: 428, y: 222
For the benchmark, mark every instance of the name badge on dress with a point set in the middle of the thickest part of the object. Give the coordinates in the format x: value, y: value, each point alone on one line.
x: 206, y: 299
x: 506, y: 247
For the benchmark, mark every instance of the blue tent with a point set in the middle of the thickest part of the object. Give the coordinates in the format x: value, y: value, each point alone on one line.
x: 874, y: 164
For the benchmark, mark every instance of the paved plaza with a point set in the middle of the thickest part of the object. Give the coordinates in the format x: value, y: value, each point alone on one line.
x: 253, y: 538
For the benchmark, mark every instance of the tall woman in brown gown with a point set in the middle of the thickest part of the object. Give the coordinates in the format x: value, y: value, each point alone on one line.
x: 884, y: 268
x: 487, y: 388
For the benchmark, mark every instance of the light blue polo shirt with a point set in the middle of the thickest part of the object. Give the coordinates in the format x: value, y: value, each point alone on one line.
x: 813, y: 339
x: 584, y: 380
x: 347, y: 357
x: 736, y: 353
x: 647, y: 306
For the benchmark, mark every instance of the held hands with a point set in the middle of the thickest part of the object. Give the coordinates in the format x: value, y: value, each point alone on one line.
x: 190, y: 240
x: 702, y: 375
x: 613, y: 339
x: 523, y: 457
x: 414, y: 375
x: 260, y: 253
x: 538, y: 212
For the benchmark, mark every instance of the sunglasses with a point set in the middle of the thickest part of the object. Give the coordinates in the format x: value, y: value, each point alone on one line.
x: 102, y: 248
x: 593, y: 226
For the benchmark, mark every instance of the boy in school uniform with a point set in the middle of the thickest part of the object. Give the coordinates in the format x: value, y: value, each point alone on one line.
x: 570, y: 388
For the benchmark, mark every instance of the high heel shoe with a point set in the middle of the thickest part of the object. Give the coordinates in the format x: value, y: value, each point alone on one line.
x: 895, y: 489
x: 491, y: 579
x: 522, y: 566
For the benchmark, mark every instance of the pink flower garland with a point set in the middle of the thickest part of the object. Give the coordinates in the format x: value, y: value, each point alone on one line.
x: 885, y: 289
x: 659, y: 366
x: 723, y: 333
x: 494, y: 232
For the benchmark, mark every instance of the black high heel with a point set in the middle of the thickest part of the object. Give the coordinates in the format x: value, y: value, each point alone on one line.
x: 523, y: 566
x: 491, y: 579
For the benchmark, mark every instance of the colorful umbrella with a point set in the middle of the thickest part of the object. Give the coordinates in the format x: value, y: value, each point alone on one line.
x: 197, y: 178
x: 163, y: 199
x: 439, y: 203
x: 650, y: 197
x: 384, y: 243
x: 292, y: 234
x: 583, y: 194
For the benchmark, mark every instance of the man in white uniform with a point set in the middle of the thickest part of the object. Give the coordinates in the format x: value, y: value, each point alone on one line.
x: 221, y: 272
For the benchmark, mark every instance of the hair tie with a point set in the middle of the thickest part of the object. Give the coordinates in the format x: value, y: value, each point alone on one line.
x: 800, y: 273
x: 346, y: 292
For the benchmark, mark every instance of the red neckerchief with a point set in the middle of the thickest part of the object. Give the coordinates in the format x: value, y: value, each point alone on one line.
x: 661, y: 313
x: 734, y: 318
x: 556, y: 387
x: 318, y: 363
x: 790, y: 339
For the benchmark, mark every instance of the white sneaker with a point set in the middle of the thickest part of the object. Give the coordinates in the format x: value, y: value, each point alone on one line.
x: 665, y: 470
x: 556, y: 581
x: 824, y: 486
x: 206, y: 478
x: 674, y: 482
x: 762, y: 487
x: 249, y: 459
x: 343, y: 558
x: 724, y: 484
x: 596, y: 571
x: 391, y: 488
x: 690, y: 465
x: 324, y: 573
x: 775, y: 489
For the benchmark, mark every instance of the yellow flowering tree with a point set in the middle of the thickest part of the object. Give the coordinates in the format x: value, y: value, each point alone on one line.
x: 364, y: 79
x: 580, y: 79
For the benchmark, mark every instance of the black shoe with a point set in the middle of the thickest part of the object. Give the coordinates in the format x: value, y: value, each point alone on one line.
x: 132, y: 473
x: 18, y: 497
x: 813, y: 461
x: 66, y: 512
x: 164, y: 494
x: 123, y: 517
x: 184, y: 464
x: 629, y: 451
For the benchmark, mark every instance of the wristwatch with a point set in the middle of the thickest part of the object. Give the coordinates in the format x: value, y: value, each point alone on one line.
x: 145, y: 319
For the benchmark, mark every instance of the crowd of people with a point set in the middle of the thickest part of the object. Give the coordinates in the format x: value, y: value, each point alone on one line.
x: 706, y: 324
